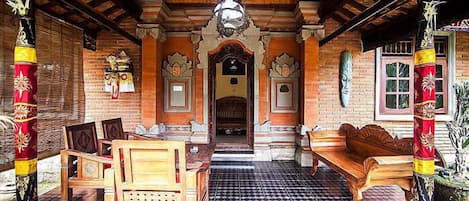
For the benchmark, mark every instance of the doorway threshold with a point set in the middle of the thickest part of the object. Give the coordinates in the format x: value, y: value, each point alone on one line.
x: 233, y: 147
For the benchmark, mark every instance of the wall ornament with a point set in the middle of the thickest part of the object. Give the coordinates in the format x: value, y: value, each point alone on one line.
x: 285, y: 66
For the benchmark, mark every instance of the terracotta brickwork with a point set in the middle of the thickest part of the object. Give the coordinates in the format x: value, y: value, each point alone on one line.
x: 99, y: 105
x: 278, y: 46
x: 183, y: 46
x: 361, y: 108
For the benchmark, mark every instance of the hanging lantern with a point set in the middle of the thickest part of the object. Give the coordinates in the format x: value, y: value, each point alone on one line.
x: 231, y: 18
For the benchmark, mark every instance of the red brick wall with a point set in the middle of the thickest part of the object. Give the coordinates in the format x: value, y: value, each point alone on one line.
x: 99, y: 105
x: 362, y: 103
x: 278, y: 46
x: 361, y: 106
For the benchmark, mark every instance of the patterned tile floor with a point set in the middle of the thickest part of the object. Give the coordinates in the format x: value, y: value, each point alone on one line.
x: 285, y: 180
x: 279, y: 180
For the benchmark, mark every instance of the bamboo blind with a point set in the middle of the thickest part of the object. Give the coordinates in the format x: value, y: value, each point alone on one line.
x: 60, y: 79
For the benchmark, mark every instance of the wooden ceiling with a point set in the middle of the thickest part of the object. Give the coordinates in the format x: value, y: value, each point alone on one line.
x: 384, y: 21
x: 378, y: 21
x: 94, y: 15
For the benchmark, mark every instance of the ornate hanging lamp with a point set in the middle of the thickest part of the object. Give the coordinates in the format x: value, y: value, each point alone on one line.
x: 231, y: 17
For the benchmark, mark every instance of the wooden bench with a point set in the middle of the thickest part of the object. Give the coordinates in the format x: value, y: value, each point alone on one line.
x: 366, y: 157
x: 231, y: 113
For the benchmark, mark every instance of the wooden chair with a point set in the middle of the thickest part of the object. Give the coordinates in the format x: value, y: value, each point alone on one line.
x: 113, y: 130
x: 153, y: 170
x: 81, y: 167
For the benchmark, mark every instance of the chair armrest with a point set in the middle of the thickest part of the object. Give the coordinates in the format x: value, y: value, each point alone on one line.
x: 388, y: 167
x: 87, y: 156
x: 104, y: 145
x: 197, y: 183
x: 109, y: 189
x: 327, y: 140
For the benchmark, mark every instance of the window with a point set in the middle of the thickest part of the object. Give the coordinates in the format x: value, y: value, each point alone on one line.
x: 395, y: 78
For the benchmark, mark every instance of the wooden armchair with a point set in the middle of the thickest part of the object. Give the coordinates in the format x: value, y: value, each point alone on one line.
x: 82, y: 167
x: 113, y: 130
x: 153, y: 170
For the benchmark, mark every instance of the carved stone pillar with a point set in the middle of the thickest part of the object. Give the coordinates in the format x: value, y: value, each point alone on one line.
x: 308, y: 36
x: 152, y: 36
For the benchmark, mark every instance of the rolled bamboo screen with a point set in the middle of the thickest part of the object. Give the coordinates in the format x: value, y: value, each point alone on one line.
x: 60, y: 73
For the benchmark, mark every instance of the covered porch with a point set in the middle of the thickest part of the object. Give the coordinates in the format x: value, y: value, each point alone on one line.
x: 167, y: 71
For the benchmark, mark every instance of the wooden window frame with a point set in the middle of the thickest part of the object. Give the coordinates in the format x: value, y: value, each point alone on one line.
x: 449, y: 72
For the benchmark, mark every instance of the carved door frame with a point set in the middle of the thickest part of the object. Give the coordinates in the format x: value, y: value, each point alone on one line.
x: 231, y: 50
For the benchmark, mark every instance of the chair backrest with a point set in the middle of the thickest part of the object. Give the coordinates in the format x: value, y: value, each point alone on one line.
x: 81, y: 137
x: 112, y: 129
x: 149, y: 169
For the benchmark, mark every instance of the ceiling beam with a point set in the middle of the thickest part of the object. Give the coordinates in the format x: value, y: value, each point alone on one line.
x: 96, y: 3
x: 406, y: 25
x: 68, y: 21
x: 131, y: 7
x: 346, y: 12
x: 328, y: 7
x: 121, y: 18
x: 356, y: 5
x: 359, y: 19
x: 338, y: 18
x: 100, y: 19
x: 110, y: 10
x: 383, y: 13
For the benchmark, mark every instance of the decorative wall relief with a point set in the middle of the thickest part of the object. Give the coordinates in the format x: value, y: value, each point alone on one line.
x: 346, y: 68
x: 177, y: 73
x: 284, y: 73
x: 118, y: 76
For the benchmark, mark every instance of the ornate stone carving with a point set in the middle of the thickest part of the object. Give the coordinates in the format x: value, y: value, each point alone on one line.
x: 154, y: 30
x: 211, y: 40
x: 198, y: 128
x: 285, y: 66
x: 307, y: 31
x: 154, y: 130
x: 177, y: 65
x: 302, y: 129
x: 265, y: 127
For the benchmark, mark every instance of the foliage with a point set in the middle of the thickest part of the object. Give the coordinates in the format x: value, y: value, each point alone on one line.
x: 466, y: 144
x: 459, y: 127
x: 6, y: 122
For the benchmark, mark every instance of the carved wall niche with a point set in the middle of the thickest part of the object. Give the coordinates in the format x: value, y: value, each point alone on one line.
x: 177, y: 74
x: 284, y: 75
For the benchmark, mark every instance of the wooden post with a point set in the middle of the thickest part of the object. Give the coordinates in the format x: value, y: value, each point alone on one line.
x: 25, y: 102
x: 424, y: 105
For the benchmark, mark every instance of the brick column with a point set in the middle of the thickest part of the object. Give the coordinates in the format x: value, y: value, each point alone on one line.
x: 309, y: 36
x: 152, y: 36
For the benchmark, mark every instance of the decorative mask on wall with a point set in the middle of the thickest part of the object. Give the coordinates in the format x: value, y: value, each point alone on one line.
x: 118, y: 77
x: 346, y: 68
x: 284, y: 66
x: 177, y: 65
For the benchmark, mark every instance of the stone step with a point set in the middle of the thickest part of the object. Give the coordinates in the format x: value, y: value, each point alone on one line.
x: 233, y: 156
x: 231, y: 165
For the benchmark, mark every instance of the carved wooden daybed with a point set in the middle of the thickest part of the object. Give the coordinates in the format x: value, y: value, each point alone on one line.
x: 231, y: 113
x: 366, y: 157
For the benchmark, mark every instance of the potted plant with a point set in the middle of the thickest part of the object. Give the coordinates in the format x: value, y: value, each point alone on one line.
x: 453, y: 184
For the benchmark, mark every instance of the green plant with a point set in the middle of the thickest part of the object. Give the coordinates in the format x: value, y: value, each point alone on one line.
x: 6, y: 122
x: 459, y: 128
